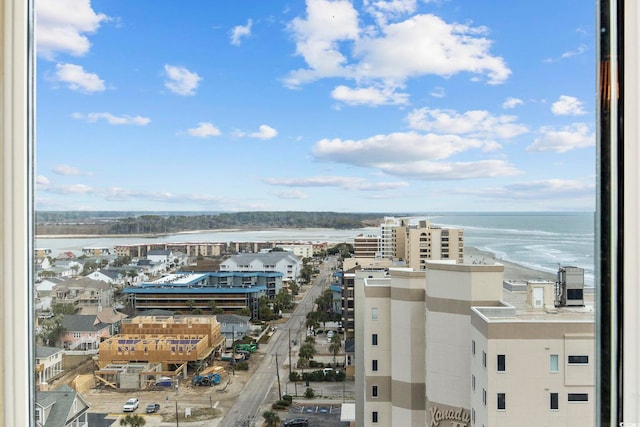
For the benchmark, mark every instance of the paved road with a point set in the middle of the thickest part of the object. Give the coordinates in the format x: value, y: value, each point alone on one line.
x: 252, y: 397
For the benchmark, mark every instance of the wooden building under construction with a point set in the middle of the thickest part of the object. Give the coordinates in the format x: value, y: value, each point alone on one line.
x: 154, y: 347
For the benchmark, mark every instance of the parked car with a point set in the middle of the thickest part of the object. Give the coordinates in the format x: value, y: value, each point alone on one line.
x: 296, y: 422
x: 153, y: 408
x: 131, y: 405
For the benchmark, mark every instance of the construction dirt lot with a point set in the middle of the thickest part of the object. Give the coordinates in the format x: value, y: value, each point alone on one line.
x: 205, y: 402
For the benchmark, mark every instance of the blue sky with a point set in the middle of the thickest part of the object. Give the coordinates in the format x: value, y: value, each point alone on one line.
x: 363, y: 106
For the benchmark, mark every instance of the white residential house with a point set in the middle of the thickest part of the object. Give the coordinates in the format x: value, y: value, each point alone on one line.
x: 160, y: 256
x: 67, y: 268
x: 48, y: 363
x: 63, y: 407
x: 113, y: 276
x: 283, y: 262
x: 82, y: 292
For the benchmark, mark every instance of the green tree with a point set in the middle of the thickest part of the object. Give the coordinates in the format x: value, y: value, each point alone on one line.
x: 294, y: 288
x: 214, y: 307
x: 307, y: 351
x: 61, y: 308
x: 89, y: 267
x: 283, y: 301
x: 46, y: 273
x: 271, y: 418
x: 133, y: 420
x: 335, y: 347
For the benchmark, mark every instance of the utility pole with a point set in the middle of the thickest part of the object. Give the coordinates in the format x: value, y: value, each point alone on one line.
x: 290, y: 360
x: 233, y: 355
x: 278, y: 376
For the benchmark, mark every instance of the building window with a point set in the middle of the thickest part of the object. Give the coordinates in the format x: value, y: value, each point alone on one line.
x: 484, y: 359
x: 502, y: 363
x: 578, y: 397
x: 484, y: 397
x: 553, y: 363
x: 374, y: 391
x: 374, y: 339
x: 502, y: 401
x: 473, y: 347
x: 473, y: 382
x: 374, y: 313
x: 578, y: 360
x: 374, y: 417
x: 553, y: 401
x: 374, y: 365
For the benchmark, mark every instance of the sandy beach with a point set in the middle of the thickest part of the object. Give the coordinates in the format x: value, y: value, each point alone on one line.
x: 512, y: 271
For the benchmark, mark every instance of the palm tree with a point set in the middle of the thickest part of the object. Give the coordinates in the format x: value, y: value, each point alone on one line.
x: 271, y: 418
x: 334, y: 347
x: 133, y: 421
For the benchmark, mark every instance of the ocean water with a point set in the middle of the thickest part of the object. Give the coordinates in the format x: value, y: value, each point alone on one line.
x: 542, y: 241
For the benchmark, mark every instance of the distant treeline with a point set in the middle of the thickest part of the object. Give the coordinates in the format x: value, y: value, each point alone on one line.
x: 101, y: 223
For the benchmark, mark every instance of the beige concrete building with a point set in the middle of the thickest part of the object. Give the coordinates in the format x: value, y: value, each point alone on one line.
x: 415, y: 241
x: 456, y: 346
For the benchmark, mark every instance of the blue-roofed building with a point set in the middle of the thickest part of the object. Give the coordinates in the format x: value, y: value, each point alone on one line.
x: 230, y: 290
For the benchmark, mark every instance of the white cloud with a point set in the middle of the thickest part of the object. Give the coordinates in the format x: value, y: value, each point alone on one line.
x: 579, y: 51
x: 69, y: 170
x: 512, y: 103
x: 239, y: 32
x: 543, y: 190
x: 204, y: 130
x: 112, y: 119
x: 77, y: 79
x: 577, y: 135
x: 63, y: 25
x: 567, y: 106
x: 568, y: 54
x: 345, y: 182
x: 390, y: 53
x: 395, y: 147
x: 438, y: 92
x: 291, y: 194
x: 368, y: 96
x: 42, y: 180
x: 71, y: 189
x: 180, y: 80
x: 427, y: 170
x: 383, y: 10
x: 264, y: 132
x: 477, y: 123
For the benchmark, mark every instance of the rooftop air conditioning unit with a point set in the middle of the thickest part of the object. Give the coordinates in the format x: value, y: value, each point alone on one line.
x: 570, y: 287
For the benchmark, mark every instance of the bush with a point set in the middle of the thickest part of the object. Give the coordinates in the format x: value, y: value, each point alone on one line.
x: 315, y: 364
x: 283, y: 403
x: 287, y: 397
x: 309, y: 393
x: 294, y: 376
x: 242, y: 366
x: 277, y: 407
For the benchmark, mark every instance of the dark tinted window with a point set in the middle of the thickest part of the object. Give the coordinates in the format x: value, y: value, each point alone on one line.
x: 578, y: 397
x: 502, y: 401
x: 579, y: 359
x: 501, y: 363
x: 553, y: 401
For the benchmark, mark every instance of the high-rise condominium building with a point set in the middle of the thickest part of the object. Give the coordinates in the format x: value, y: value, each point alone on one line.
x: 413, y: 241
x: 456, y: 346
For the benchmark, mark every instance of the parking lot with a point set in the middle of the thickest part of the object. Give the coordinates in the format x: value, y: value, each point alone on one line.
x: 317, y: 414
